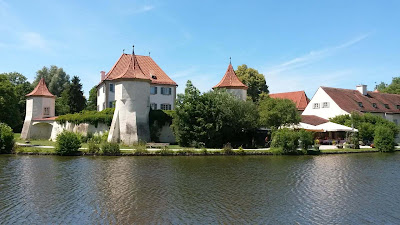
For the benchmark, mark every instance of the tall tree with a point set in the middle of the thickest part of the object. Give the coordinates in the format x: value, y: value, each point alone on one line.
x: 92, y: 102
x: 56, y: 79
x: 275, y: 113
x: 9, y: 112
x: 22, y: 87
x: 254, y: 80
x: 392, y: 88
x: 62, y: 103
x: 76, y: 99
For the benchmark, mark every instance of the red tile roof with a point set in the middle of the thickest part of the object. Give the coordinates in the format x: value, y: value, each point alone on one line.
x: 45, y: 119
x: 41, y: 90
x: 298, y: 97
x: 230, y: 80
x: 350, y: 100
x: 141, y: 67
x: 313, y: 120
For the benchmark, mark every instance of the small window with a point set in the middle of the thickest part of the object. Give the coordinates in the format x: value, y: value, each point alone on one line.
x: 153, y: 106
x: 374, y: 105
x: 325, y: 105
x: 154, y: 77
x: 316, y: 106
x: 110, y: 105
x: 360, y: 104
x: 166, y: 106
x: 112, y: 87
x: 46, y: 111
x: 153, y: 90
x: 387, y: 106
x: 166, y: 91
x: 103, y: 89
x: 398, y: 106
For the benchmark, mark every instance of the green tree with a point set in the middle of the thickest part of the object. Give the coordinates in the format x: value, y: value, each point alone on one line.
x: 9, y: 111
x: 213, y: 118
x: 392, y: 88
x: 6, y: 139
x: 76, y: 99
x: 275, y: 112
x: 22, y: 87
x: 254, y: 80
x: 384, y: 139
x: 56, y: 79
x: 92, y: 102
x: 62, y: 103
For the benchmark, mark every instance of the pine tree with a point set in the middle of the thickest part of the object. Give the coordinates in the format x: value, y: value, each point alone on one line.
x: 76, y: 100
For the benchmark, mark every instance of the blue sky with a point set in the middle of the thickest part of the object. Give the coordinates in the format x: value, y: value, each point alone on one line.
x: 297, y: 46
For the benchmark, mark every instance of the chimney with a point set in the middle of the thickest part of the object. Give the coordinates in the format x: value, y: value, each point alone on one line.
x: 103, y: 75
x: 362, y: 88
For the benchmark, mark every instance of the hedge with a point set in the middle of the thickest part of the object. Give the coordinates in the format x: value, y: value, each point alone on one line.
x: 91, y: 117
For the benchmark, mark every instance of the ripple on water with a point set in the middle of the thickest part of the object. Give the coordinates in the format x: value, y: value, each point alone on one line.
x: 355, y: 188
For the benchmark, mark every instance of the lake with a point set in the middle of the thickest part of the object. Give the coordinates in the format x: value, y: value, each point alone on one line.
x: 326, y: 189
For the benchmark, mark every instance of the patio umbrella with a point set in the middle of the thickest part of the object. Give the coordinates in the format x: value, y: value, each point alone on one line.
x: 330, y: 126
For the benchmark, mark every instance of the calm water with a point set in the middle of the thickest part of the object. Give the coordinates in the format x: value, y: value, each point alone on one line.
x: 330, y: 189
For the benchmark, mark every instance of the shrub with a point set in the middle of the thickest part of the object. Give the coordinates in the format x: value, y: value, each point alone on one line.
x: 140, y: 148
x: 286, y: 139
x: 240, y: 151
x: 104, y: 137
x: 67, y: 143
x: 96, y: 139
x: 204, y: 151
x: 384, y: 139
x: 305, y: 139
x: 110, y: 148
x: 165, y: 151
x: 93, y: 147
x: 227, y: 150
x: 6, y: 138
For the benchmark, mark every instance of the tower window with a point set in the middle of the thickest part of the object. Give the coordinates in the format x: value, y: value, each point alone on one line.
x: 112, y: 87
x: 46, y: 111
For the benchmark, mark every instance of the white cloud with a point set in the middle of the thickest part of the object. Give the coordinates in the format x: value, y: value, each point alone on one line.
x: 33, y: 40
x: 313, y: 56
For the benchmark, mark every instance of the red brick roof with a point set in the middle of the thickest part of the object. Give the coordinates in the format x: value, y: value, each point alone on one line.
x: 141, y: 67
x: 230, y: 80
x: 298, y: 97
x: 350, y: 100
x: 41, y: 90
x: 313, y: 120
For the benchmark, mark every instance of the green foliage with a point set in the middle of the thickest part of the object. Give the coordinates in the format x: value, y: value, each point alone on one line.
x: 392, y: 88
x: 56, y: 79
x: 306, y: 139
x: 366, y: 124
x: 286, y: 139
x: 110, y: 148
x: 61, y: 104
x: 92, y: 101
x: 384, y: 139
x: 76, y: 99
x: 91, y: 117
x: 140, y: 148
x: 6, y: 139
x: 9, y: 110
x: 275, y: 112
x: 227, y: 149
x: 67, y: 143
x: 254, y: 80
x: 165, y: 151
x: 93, y: 147
x: 213, y: 118
x: 240, y: 151
x: 157, y: 119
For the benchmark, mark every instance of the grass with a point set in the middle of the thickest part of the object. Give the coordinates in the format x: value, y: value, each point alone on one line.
x: 349, y: 150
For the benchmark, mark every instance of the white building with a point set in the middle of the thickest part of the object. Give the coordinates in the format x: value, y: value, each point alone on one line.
x: 232, y: 84
x: 162, y: 88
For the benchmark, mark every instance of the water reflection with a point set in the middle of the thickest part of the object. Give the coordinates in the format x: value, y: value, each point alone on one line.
x: 359, y: 188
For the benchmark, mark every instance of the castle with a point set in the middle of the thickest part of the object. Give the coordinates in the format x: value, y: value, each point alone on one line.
x: 133, y: 85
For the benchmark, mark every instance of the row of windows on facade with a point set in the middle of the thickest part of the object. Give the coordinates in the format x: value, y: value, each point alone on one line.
x: 152, y: 105
x: 326, y: 105
x: 153, y: 90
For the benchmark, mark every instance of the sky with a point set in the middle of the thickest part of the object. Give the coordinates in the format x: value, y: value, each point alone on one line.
x: 297, y: 45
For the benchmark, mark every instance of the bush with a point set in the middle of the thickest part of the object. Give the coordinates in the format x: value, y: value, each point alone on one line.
x: 305, y: 139
x: 240, y: 151
x: 227, y: 150
x: 140, y: 148
x: 165, y: 151
x: 384, y: 139
x: 6, y: 139
x: 110, y: 148
x: 93, y: 147
x: 67, y: 143
x: 286, y: 139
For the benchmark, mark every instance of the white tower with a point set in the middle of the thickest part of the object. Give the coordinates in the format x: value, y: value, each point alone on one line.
x: 130, y: 122
x: 232, y: 84
x: 40, y: 106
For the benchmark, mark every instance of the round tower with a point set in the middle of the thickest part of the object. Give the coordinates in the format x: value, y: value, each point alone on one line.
x: 232, y: 84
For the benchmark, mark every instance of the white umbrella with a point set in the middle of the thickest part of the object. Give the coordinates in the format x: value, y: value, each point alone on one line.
x: 330, y: 126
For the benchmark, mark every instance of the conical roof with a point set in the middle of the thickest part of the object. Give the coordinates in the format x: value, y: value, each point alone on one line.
x: 230, y: 80
x: 41, y: 90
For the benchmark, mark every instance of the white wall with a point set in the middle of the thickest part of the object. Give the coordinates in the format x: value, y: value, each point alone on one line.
x: 163, y: 99
x: 101, y: 96
x: 240, y: 93
x: 83, y: 128
x: 320, y: 97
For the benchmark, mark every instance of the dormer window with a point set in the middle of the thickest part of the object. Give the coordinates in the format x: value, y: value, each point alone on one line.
x: 398, y: 106
x: 374, y: 105
x: 154, y: 77
x: 360, y: 104
x: 387, y: 106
